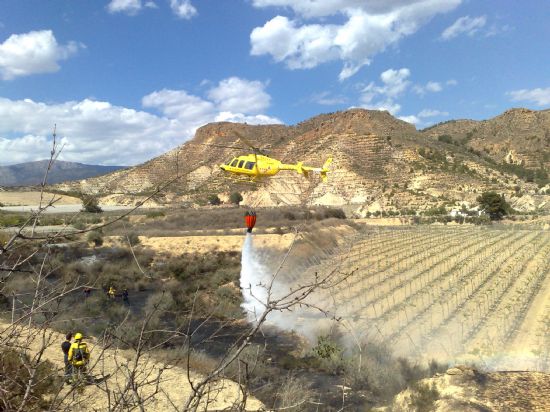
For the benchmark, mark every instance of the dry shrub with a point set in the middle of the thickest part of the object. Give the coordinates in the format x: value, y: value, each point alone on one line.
x: 381, y: 373
x: 4, y: 238
x: 294, y: 394
x: 15, y: 378
x: 201, y: 363
x: 423, y: 397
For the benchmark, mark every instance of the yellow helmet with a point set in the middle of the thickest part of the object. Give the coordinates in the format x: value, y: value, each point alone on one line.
x: 78, y: 336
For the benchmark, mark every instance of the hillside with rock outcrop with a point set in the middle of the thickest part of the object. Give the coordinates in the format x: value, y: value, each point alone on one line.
x: 380, y: 164
x: 518, y: 136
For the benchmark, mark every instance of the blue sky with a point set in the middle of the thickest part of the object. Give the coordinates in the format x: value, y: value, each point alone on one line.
x: 126, y: 80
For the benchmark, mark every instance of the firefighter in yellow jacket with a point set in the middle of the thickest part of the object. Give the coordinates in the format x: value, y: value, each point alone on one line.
x: 79, y: 355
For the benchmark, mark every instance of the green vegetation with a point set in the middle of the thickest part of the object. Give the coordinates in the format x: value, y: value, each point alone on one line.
x: 494, y: 205
x: 436, y: 211
x: 95, y: 237
x: 326, y: 348
x: 538, y: 176
x: 132, y: 238
x: 445, y: 138
x: 17, y: 219
x: 154, y: 214
x: 235, y: 198
x: 90, y: 204
x: 11, y: 220
x: 214, y: 200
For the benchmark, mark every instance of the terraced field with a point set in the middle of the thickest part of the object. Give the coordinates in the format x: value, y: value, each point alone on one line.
x: 472, y: 294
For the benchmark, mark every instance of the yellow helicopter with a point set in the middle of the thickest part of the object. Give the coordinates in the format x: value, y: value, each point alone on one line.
x: 258, y: 164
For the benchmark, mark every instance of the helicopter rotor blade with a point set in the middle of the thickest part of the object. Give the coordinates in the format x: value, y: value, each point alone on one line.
x: 256, y: 149
x: 220, y: 146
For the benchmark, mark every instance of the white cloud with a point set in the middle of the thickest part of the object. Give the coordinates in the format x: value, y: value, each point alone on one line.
x: 369, y: 28
x: 432, y: 113
x: 464, y: 25
x: 410, y: 119
x: 540, y: 97
x: 130, y: 7
x: 326, y: 99
x: 242, y: 118
x: 183, y: 8
x: 92, y: 131
x: 32, y: 53
x: 495, y: 30
x: 240, y: 95
x: 394, y: 84
x: 432, y: 87
x: 451, y: 82
x: 178, y: 104
x: 100, y: 133
x: 382, y: 97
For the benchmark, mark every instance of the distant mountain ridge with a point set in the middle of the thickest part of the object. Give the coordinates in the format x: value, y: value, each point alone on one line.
x: 32, y: 173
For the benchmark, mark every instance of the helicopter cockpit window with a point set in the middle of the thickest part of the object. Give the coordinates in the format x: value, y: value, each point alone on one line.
x: 234, y: 162
x: 249, y: 165
x: 241, y: 164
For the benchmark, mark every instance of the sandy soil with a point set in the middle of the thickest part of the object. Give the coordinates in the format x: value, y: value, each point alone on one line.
x: 463, y: 389
x: 203, y: 244
x: 33, y: 198
x: 173, y: 390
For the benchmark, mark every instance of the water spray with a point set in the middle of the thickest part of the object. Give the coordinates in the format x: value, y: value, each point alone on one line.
x: 254, y: 280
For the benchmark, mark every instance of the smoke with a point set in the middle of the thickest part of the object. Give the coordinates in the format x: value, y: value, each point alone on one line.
x: 256, y: 277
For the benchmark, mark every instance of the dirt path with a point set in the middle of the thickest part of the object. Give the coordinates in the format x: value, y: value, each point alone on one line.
x: 172, y: 391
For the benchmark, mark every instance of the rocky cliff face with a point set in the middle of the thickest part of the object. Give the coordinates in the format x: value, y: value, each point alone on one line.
x: 380, y: 163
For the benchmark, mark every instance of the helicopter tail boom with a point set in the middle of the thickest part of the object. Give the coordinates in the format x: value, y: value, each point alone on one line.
x: 324, y: 170
x: 305, y: 170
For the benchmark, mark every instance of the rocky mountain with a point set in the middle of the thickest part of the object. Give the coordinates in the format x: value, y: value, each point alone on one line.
x: 518, y: 136
x: 32, y: 173
x: 380, y: 164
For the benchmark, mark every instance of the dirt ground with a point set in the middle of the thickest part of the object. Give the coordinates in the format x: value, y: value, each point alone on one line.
x: 33, y: 198
x: 204, y: 244
x: 464, y: 389
x: 173, y: 389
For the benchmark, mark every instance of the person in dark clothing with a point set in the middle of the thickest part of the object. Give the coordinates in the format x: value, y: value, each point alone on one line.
x: 65, y: 346
x: 125, y: 297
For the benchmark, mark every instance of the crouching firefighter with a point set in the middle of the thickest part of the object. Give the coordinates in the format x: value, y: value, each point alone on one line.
x: 79, y: 355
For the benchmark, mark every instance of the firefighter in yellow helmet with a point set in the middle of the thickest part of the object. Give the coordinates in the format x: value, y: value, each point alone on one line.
x: 79, y: 355
x: 112, y: 292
